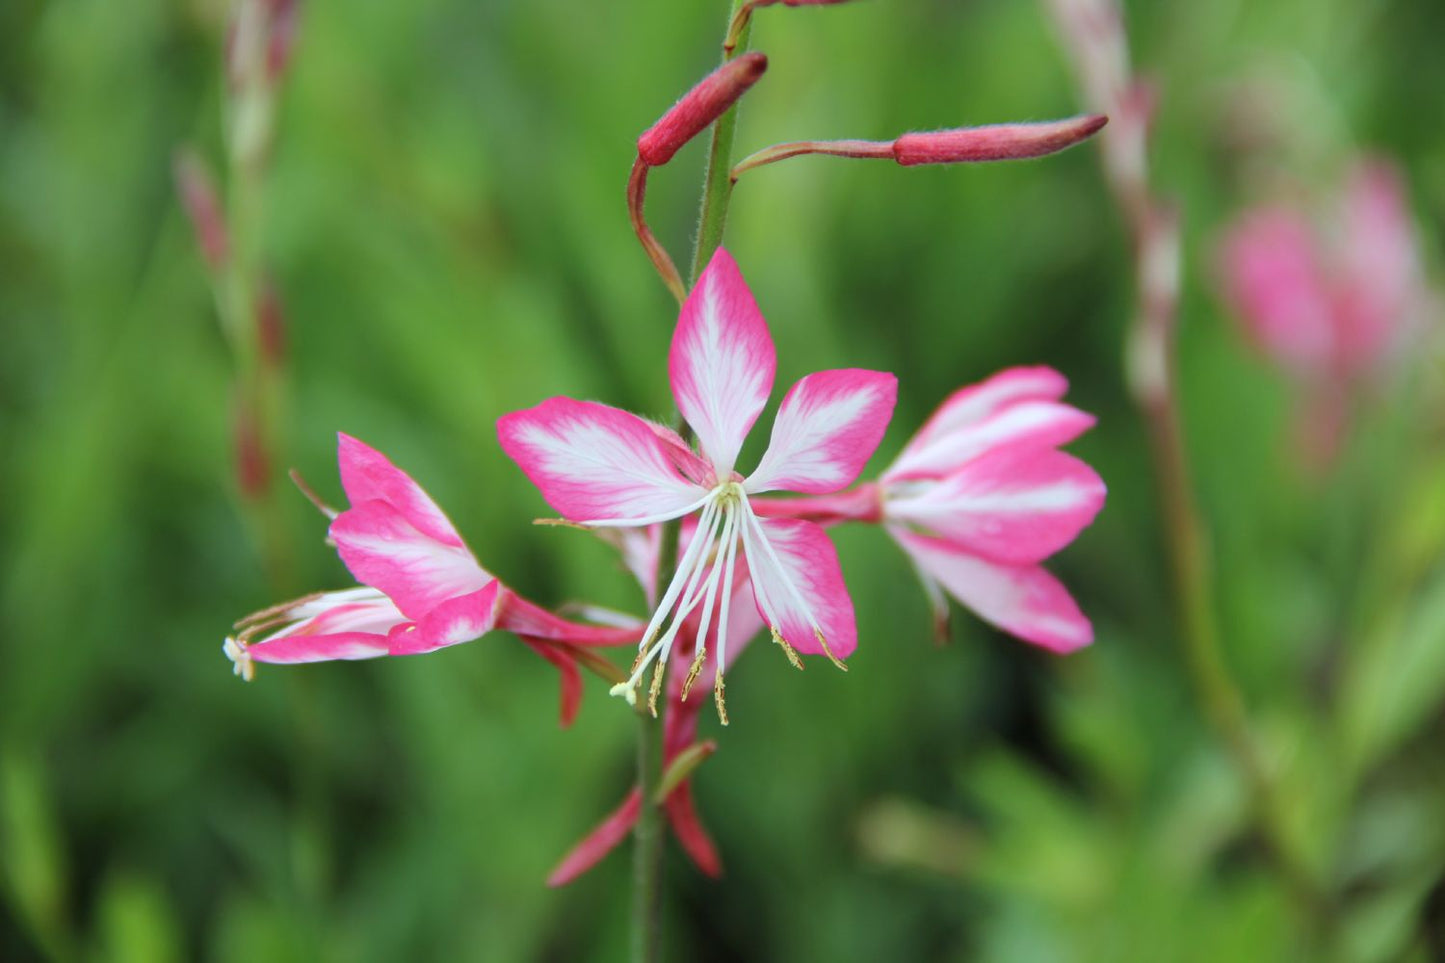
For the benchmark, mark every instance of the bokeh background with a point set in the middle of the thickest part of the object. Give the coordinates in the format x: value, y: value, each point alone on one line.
x: 444, y: 221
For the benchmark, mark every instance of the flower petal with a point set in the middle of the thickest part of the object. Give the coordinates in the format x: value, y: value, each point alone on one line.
x: 294, y: 649
x: 451, y: 622
x: 828, y: 427
x: 571, y: 678
x: 599, y: 842
x: 972, y: 404
x: 1017, y: 505
x: 596, y: 463
x: 1275, y: 284
x: 687, y: 826
x: 367, y: 475
x: 798, y: 585
x: 722, y: 361
x: 1023, y: 600
x: 384, y: 550
x: 1029, y: 424
x: 528, y: 619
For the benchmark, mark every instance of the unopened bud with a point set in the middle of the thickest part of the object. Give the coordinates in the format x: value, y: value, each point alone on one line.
x: 271, y: 326
x: 280, y: 37
x: 995, y: 142
x: 203, y: 207
x: 253, y: 462
x: 699, y: 107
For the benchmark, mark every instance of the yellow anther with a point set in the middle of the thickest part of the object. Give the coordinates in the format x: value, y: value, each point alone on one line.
x: 827, y: 651
x: 788, y: 650
x: 655, y: 688
x: 693, y: 670
x: 717, y: 696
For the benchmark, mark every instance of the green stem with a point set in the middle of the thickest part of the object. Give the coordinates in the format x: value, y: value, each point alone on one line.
x: 648, y: 835
x: 717, y: 185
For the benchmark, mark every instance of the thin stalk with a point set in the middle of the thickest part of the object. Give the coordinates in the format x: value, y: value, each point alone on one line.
x: 647, y: 865
x: 717, y: 185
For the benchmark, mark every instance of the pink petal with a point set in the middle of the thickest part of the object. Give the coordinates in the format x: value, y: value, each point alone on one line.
x: 294, y: 649
x: 593, y: 462
x: 722, y: 361
x: 1028, y: 424
x: 972, y: 404
x: 599, y: 842
x: 383, y: 549
x: 682, y: 815
x: 1017, y: 505
x: 1380, y: 277
x: 1274, y: 282
x: 828, y: 427
x: 571, y: 678
x: 367, y: 476
x: 802, y: 557
x: 451, y: 622
x: 1023, y: 600
x: 525, y: 618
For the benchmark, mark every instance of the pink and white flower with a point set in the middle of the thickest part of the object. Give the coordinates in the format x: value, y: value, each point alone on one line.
x: 422, y: 589
x: 979, y: 497
x: 602, y: 467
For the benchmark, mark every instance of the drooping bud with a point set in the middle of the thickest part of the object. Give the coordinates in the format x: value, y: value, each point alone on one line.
x: 203, y: 207
x: 699, y: 107
x: 995, y: 142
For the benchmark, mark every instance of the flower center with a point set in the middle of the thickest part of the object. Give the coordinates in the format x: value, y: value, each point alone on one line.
x: 704, y: 571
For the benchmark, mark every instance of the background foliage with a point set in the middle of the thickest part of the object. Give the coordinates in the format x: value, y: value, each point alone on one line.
x: 446, y: 223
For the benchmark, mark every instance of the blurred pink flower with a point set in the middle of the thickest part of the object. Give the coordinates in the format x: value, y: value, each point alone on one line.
x: 605, y: 468
x: 1329, y: 295
x: 422, y: 589
x: 979, y: 497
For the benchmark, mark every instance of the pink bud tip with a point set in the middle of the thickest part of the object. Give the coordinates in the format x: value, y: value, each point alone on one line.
x: 699, y: 107
x: 203, y: 207
x: 995, y: 142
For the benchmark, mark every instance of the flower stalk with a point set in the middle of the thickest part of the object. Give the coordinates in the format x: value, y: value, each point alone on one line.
x: 648, y: 835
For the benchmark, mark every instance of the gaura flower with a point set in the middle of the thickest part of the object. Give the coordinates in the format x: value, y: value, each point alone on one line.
x: 602, y: 467
x: 979, y: 497
x: 422, y: 590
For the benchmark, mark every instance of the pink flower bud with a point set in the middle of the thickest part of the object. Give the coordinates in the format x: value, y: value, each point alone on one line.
x: 994, y: 142
x: 253, y: 461
x: 699, y: 107
x: 203, y: 207
x: 271, y: 326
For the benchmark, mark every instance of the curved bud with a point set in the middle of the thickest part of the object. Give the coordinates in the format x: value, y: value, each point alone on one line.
x: 700, y: 106
x: 995, y: 142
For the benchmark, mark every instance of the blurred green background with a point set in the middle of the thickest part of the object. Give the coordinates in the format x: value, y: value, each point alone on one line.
x: 444, y: 220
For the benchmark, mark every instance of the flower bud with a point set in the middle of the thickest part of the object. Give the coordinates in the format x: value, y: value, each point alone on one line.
x: 994, y: 142
x: 271, y: 325
x: 203, y: 207
x: 700, y: 106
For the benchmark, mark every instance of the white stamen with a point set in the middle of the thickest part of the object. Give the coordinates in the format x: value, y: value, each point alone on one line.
x: 729, y: 536
x: 782, y: 572
x: 730, y: 551
x: 688, y: 574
